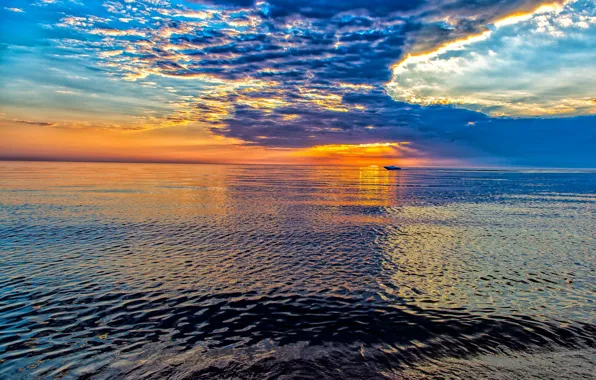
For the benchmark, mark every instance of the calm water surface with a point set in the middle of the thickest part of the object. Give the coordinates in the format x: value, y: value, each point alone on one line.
x: 266, y: 272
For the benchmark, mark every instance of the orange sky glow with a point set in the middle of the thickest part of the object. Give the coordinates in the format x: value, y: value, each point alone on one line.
x: 176, y: 146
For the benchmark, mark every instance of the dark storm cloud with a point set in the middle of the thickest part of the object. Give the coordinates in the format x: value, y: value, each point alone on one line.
x: 355, y: 41
x: 379, y: 8
x: 368, y: 117
x: 363, y: 38
x: 320, y: 8
x: 480, y: 11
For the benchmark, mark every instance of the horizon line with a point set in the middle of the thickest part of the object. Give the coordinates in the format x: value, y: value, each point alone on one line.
x: 167, y: 162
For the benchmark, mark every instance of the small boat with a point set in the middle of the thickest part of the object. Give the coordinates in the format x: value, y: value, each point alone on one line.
x: 391, y: 167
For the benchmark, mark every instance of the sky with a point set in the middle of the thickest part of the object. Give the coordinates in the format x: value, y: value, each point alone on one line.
x: 476, y: 83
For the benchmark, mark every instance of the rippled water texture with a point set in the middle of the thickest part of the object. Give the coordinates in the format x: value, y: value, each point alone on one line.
x: 256, y: 272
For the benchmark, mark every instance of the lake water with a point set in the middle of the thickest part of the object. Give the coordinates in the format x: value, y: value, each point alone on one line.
x: 266, y: 272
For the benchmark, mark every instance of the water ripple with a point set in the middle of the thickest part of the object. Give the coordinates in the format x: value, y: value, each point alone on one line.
x: 184, y: 271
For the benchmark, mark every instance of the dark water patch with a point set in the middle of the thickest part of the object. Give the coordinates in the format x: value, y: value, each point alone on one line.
x: 332, y: 331
x: 334, y: 339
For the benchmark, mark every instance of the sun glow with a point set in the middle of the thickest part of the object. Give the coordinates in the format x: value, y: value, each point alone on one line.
x: 377, y: 153
x: 357, y: 148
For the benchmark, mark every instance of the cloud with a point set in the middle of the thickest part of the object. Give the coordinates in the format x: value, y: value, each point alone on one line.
x: 254, y: 63
x: 36, y: 123
x: 535, y: 64
x: 297, y: 74
x: 16, y: 10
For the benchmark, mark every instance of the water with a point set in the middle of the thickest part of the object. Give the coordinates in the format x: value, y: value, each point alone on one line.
x: 265, y: 272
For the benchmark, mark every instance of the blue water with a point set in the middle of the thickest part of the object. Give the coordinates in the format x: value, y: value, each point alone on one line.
x: 266, y: 272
